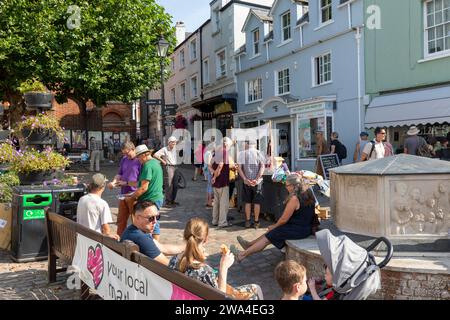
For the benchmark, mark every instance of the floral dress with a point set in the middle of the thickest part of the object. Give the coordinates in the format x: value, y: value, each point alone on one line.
x: 209, y: 276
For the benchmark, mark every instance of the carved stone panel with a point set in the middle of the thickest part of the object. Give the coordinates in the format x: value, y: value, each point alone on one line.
x: 358, y: 205
x: 419, y: 207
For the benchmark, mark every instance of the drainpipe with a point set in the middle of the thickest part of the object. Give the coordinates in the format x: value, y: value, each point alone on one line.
x: 358, y: 45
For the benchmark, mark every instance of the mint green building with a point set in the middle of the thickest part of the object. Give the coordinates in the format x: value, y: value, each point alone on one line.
x: 407, y: 67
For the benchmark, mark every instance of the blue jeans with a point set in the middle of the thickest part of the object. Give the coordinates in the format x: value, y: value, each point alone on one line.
x: 158, y: 204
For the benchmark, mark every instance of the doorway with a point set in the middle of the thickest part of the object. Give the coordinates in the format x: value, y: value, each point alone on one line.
x: 283, y: 142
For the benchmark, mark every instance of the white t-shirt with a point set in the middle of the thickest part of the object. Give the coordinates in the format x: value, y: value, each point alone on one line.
x: 93, y: 212
x: 378, y: 151
x: 169, y: 156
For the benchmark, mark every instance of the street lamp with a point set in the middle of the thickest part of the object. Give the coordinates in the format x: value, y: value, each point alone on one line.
x: 163, y: 45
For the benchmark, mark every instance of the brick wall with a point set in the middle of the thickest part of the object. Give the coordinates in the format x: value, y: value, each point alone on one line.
x: 70, y: 117
x: 395, y: 284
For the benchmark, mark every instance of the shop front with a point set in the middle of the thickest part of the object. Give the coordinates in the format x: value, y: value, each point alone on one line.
x: 427, y: 109
x: 310, y: 118
x: 217, y: 113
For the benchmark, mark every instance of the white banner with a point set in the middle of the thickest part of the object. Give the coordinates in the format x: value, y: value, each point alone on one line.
x: 116, y: 278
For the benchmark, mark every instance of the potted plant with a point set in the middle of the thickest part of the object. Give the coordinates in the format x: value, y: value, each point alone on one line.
x: 180, y: 122
x: 35, y: 94
x: 40, y: 129
x: 7, y: 182
x: 35, y: 167
x: 7, y: 153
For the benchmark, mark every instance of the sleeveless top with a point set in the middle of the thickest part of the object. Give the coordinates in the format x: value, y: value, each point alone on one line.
x: 303, y: 217
x: 223, y: 179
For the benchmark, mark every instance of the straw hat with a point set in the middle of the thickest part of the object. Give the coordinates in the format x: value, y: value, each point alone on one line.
x: 141, y: 150
x: 413, y: 131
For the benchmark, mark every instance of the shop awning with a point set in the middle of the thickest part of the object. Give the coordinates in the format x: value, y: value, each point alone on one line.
x: 426, y: 106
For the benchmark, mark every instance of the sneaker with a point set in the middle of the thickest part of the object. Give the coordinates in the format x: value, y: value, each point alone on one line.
x: 256, y: 225
x: 226, y: 225
x: 244, y: 243
x: 248, y: 224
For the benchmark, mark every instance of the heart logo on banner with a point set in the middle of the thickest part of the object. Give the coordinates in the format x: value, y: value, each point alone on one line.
x: 95, y: 264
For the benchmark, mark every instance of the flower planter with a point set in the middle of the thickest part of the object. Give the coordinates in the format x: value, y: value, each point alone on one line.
x: 38, y: 100
x: 38, y: 136
x: 34, y: 177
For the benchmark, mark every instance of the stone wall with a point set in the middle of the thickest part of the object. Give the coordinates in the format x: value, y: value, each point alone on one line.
x: 395, y: 284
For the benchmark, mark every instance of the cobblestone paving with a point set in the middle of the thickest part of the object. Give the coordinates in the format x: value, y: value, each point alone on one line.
x: 29, y: 280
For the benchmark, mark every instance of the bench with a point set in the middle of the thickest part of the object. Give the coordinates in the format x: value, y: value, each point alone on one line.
x: 62, y: 238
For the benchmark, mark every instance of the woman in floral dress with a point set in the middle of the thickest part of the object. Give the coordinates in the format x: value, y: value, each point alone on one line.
x: 192, y: 263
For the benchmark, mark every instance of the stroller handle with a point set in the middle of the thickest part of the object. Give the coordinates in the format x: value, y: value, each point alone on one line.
x: 390, y: 250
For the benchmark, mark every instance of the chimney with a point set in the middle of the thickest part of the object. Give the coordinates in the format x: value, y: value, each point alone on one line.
x: 180, y: 31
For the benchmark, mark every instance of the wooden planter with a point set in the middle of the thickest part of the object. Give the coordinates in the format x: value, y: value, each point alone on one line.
x: 38, y: 100
x: 5, y: 228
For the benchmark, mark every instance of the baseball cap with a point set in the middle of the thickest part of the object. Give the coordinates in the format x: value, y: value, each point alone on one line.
x: 99, y: 180
x: 363, y: 133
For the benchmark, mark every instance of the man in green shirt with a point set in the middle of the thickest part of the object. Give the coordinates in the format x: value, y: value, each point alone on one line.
x: 150, y: 184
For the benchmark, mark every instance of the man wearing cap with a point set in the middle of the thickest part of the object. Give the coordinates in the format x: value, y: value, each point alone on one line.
x: 150, y: 185
x: 413, y: 142
x: 251, y: 169
x: 364, y: 138
x: 92, y: 211
x: 168, y: 158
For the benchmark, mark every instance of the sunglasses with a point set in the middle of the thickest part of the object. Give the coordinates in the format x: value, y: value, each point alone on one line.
x: 152, y: 218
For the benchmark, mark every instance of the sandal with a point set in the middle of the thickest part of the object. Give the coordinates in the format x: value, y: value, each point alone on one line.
x: 234, y: 250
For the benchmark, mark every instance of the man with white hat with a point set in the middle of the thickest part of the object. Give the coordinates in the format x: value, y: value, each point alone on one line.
x: 168, y: 158
x: 150, y: 185
x: 413, y: 142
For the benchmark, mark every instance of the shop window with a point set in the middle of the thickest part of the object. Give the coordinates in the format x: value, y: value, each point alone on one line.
x: 306, y: 134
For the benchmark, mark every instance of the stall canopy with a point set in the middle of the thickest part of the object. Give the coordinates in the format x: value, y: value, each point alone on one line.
x: 426, y: 106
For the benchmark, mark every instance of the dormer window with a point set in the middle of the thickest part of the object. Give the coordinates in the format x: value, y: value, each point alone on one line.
x: 286, y: 26
x: 255, y: 38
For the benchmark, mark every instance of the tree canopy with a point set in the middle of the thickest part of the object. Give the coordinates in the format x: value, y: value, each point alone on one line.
x: 97, y: 50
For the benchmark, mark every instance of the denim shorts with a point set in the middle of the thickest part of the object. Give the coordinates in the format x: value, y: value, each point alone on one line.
x: 157, y: 229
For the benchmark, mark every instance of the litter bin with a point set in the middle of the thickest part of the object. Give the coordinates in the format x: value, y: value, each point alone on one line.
x: 28, y: 238
x: 65, y: 200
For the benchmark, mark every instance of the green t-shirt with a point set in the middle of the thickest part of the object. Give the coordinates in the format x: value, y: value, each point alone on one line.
x: 152, y: 171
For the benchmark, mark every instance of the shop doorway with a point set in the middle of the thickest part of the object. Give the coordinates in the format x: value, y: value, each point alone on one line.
x: 283, y: 141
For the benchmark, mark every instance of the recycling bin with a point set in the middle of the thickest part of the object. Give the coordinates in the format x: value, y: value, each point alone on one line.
x: 65, y: 200
x: 29, y: 236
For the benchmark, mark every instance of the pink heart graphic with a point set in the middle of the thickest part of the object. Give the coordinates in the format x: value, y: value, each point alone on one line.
x: 181, y: 294
x: 95, y: 264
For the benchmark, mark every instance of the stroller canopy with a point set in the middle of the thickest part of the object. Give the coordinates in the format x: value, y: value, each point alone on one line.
x: 355, y: 273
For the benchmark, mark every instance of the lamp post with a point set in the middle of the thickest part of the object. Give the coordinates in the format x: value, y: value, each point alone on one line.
x: 163, y: 45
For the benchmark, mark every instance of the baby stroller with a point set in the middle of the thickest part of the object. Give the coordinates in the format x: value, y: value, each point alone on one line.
x: 356, y: 275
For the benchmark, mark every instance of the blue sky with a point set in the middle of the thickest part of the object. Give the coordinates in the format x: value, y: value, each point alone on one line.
x: 192, y: 12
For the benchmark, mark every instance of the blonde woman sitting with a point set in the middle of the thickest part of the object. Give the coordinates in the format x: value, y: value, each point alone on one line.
x: 192, y: 263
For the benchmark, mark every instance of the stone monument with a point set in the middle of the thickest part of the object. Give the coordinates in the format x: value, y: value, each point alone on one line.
x: 403, y: 196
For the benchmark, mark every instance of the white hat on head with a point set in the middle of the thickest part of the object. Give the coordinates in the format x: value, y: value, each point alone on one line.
x: 172, y: 139
x: 413, y: 131
x: 141, y: 149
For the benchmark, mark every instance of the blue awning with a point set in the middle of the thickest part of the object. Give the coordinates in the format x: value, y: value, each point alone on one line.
x: 427, y: 106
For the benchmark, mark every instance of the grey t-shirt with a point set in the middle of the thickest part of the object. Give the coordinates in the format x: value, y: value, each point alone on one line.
x: 93, y: 212
x: 412, y: 143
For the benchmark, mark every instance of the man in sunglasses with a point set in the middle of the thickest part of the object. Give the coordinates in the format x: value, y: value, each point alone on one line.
x: 140, y: 232
x: 377, y: 148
